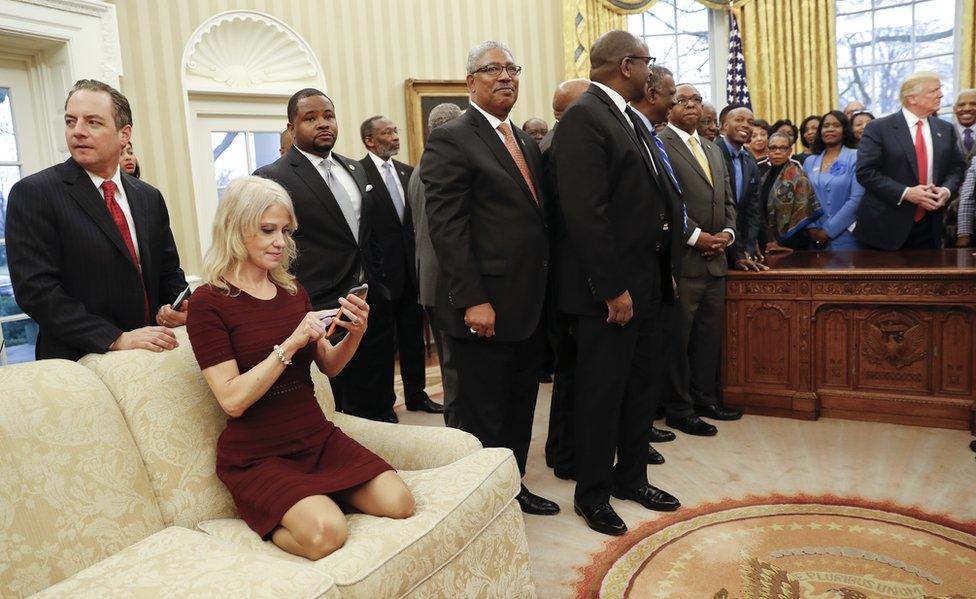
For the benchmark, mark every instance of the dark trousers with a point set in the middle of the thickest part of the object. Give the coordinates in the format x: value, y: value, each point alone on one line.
x: 560, y: 446
x: 616, y: 370
x: 498, y: 382
x: 449, y: 377
x: 921, y: 237
x: 694, y: 356
x: 408, y: 324
x: 365, y: 386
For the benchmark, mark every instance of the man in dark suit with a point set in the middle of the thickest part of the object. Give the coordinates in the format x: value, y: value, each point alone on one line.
x: 389, y: 215
x: 700, y: 168
x: 91, y: 254
x: 910, y: 165
x: 427, y: 271
x: 736, y: 124
x: 485, y: 204
x: 336, y: 249
x: 614, y: 272
x: 964, y: 110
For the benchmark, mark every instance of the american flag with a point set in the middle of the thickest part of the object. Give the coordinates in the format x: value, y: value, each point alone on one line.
x: 737, y: 91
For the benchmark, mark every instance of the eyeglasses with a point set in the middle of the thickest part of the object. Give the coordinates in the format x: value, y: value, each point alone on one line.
x: 648, y: 60
x: 495, y: 70
x: 778, y: 148
x: 686, y: 101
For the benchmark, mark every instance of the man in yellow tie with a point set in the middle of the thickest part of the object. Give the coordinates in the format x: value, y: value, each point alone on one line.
x: 700, y: 169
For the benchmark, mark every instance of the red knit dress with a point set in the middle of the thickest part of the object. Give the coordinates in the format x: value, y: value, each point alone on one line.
x: 282, y: 448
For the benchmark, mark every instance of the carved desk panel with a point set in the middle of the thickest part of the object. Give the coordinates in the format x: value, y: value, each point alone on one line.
x: 865, y: 335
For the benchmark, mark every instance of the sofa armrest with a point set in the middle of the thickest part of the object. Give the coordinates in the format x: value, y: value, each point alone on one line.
x: 409, y: 447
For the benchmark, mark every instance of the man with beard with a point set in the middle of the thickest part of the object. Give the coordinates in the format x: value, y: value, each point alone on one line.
x: 336, y: 249
x: 389, y: 215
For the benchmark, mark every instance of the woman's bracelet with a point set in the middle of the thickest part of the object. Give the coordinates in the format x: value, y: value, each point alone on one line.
x: 280, y: 352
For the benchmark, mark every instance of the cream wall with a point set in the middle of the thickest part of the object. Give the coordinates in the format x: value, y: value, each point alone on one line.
x: 367, y: 49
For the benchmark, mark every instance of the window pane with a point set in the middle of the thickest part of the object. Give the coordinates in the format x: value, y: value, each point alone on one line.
x: 8, y: 141
x: 893, y: 35
x: 230, y: 157
x: 854, y: 84
x: 854, y: 39
x: 266, y: 148
x: 846, y: 6
x: 19, y: 337
x: 884, y: 3
x: 934, y: 28
x: 7, y: 304
x: 680, y: 43
x: 8, y: 176
x: 692, y: 16
x: 890, y: 78
x: 656, y: 22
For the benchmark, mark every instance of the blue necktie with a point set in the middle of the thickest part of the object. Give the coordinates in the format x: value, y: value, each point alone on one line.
x: 667, y: 166
x: 390, y: 179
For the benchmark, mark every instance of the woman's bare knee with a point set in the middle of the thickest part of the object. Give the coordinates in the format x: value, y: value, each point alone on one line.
x: 328, y: 535
x: 402, y: 504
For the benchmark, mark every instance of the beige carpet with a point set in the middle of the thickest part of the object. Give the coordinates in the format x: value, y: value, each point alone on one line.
x: 922, y: 473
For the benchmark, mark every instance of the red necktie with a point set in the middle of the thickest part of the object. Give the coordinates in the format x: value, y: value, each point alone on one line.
x: 109, y: 187
x: 922, y: 158
x: 517, y: 156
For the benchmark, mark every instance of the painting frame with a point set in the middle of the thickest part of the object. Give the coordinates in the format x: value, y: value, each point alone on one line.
x: 421, y: 96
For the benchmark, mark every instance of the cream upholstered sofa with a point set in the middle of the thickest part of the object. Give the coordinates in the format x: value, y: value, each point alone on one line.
x: 107, y: 488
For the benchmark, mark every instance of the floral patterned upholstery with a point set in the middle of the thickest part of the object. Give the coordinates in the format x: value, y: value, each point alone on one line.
x: 386, y: 558
x: 179, y: 563
x: 72, y: 487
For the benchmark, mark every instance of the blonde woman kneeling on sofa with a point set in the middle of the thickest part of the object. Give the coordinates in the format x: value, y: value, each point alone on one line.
x: 255, y: 335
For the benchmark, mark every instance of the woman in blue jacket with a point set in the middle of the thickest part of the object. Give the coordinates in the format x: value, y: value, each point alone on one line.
x: 831, y: 172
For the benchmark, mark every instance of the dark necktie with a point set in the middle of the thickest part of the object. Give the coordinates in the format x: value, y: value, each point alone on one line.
x: 109, y: 188
x: 967, y: 139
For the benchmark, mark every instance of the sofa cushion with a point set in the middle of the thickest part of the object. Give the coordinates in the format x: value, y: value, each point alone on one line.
x: 73, y: 489
x: 386, y: 558
x: 175, y: 422
x: 177, y: 562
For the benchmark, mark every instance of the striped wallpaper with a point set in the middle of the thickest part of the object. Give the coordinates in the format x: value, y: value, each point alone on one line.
x: 367, y: 49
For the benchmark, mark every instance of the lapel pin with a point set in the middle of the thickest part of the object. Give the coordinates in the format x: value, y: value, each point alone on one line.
x: 369, y: 187
x: 352, y: 168
x: 403, y: 174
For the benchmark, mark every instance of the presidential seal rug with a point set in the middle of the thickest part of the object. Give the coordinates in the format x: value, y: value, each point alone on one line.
x: 789, y: 548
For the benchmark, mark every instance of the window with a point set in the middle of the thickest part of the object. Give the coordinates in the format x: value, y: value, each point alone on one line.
x: 239, y: 153
x: 18, y: 333
x: 682, y: 34
x: 880, y: 42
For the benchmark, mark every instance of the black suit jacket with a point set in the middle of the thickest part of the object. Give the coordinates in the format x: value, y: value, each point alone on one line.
x: 70, y: 268
x: 613, y: 206
x: 330, y: 261
x: 394, y: 239
x: 749, y: 214
x: 886, y: 165
x: 490, y: 236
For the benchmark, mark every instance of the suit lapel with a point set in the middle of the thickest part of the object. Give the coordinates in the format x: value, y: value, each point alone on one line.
x: 625, y: 122
x: 312, y: 178
x: 379, y: 187
x: 489, y: 136
x: 90, y: 200
x: 940, y: 146
x: 139, y: 208
x: 906, y: 139
x: 681, y: 149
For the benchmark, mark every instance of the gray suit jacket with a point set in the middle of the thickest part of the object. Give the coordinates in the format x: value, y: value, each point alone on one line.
x: 425, y: 260
x: 711, y: 209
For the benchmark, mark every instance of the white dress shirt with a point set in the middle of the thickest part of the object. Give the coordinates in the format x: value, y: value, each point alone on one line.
x: 494, y: 121
x: 685, y: 137
x: 911, y: 119
x: 342, y: 176
x: 379, y: 162
x: 120, y: 199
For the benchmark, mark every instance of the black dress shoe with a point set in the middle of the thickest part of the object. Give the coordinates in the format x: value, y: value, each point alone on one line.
x: 533, y: 504
x: 653, y: 457
x: 661, y: 436
x: 650, y: 497
x: 692, y: 425
x: 717, y: 412
x: 422, y: 403
x: 390, y: 417
x: 972, y: 445
x: 601, y: 518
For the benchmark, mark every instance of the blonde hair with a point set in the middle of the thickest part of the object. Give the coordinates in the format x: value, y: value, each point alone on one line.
x: 913, y: 84
x: 239, y: 216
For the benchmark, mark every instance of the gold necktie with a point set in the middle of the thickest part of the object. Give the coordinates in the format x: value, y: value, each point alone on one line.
x: 696, y: 149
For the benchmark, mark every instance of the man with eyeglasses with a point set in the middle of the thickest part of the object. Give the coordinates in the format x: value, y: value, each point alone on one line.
x: 707, y: 193
x: 486, y: 207
x: 622, y: 223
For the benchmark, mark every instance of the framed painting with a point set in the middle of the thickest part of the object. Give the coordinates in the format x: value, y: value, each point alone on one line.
x: 422, y: 95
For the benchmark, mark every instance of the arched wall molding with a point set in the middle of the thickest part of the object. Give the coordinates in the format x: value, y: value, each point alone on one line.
x: 244, y: 65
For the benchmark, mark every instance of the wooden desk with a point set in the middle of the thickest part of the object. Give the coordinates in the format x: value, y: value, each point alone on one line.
x: 865, y: 335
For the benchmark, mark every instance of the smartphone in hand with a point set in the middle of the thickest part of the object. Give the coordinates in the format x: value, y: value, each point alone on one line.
x: 180, y: 298
x: 359, y: 292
